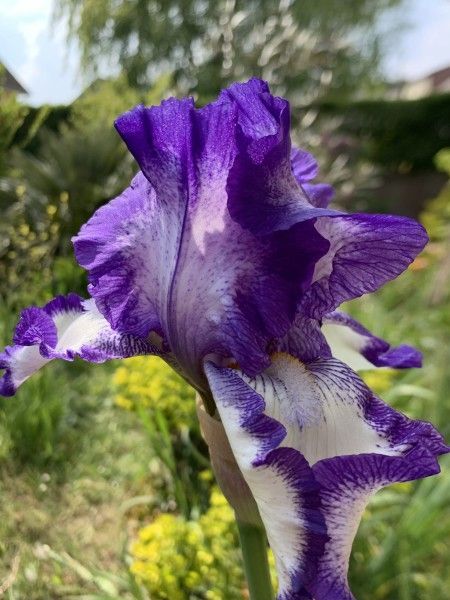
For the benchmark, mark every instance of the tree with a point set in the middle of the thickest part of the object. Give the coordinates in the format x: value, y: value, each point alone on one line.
x: 309, y: 49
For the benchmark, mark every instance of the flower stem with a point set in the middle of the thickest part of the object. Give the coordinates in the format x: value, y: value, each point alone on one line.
x: 256, y: 564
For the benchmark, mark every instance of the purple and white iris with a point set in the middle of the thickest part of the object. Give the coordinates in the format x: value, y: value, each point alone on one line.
x: 224, y: 259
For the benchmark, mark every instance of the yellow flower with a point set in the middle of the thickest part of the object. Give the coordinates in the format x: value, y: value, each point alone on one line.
x: 193, y: 558
x: 147, y: 382
x: 380, y: 380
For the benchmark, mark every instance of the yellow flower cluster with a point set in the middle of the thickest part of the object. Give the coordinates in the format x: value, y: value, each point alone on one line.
x: 180, y: 559
x: 148, y: 382
x: 380, y: 380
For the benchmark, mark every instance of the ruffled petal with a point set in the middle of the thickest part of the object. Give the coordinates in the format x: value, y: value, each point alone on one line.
x: 66, y: 327
x: 304, y: 167
x: 359, y: 349
x: 279, y: 478
x: 167, y: 250
x: 305, y: 340
x: 181, y: 242
x: 263, y: 193
x: 365, y: 252
x: 128, y: 261
x: 347, y: 483
x: 319, y: 194
x: 323, y: 413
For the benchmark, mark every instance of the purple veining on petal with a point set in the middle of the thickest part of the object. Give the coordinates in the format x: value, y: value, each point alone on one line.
x: 63, y: 304
x: 119, y: 246
x: 333, y: 420
x: 347, y: 483
x: 304, y: 340
x: 161, y: 255
x: 319, y: 194
x: 35, y: 326
x: 366, y: 251
x: 304, y: 165
x: 64, y: 328
x: 263, y: 193
x: 270, y: 469
x: 409, y: 451
x: 172, y: 247
x: 352, y: 343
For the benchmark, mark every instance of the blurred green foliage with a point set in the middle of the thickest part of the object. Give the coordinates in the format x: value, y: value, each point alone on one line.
x: 57, y: 166
x: 436, y: 216
x: 114, y: 96
x: 398, y: 135
x: 308, y: 49
x: 43, y: 117
x: 12, y: 115
x: 400, y: 551
x: 70, y: 457
x: 76, y: 171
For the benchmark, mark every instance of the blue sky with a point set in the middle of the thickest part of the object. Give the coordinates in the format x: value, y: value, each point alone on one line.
x: 38, y: 55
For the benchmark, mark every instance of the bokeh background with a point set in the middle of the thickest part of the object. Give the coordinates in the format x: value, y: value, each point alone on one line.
x: 106, y: 490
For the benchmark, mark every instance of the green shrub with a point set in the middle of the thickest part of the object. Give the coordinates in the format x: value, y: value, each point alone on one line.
x: 399, y: 135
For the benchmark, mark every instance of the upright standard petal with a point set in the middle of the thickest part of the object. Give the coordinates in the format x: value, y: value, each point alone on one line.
x: 264, y: 194
x: 167, y: 250
x: 66, y: 327
x: 354, y: 345
x: 183, y: 240
x: 351, y: 443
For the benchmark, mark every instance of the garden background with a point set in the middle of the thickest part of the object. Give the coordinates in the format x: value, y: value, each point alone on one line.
x: 105, y: 486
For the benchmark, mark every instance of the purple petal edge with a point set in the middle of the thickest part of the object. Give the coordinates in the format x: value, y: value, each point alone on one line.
x: 376, y: 350
x: 65, y: 328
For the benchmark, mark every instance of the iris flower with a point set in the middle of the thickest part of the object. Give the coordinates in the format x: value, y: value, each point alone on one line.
x: 223, y: 258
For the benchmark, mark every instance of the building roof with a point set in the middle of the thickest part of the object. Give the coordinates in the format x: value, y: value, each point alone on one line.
x: 437, y: 82
x: 9, y: 82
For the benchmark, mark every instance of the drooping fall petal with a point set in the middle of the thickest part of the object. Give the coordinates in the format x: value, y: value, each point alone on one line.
x: 321, y: 422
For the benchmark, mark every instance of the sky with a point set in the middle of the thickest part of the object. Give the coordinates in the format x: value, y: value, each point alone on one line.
x: 38, y: 55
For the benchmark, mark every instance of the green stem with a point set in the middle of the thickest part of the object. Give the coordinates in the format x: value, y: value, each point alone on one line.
x: 256, y: 564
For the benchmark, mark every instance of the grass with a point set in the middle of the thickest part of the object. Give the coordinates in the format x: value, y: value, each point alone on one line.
x: 72, y: 506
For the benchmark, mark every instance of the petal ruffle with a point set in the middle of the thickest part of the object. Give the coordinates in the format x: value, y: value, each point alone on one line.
x: 279, y: 478
x: 263, y: 193
x: 167, y: 250
x: 365, y: 252
x: 304, y: 167
x: 128, y: 263
x: 66, y: 327
x: 359, y: 349
x: 319, y: 194
x: 183, y: 240
x: 305, y: 340
x: 325, y: 414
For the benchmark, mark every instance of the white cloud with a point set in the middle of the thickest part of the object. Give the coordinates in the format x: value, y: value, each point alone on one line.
x: 38, y: 54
